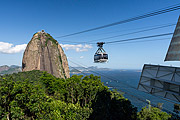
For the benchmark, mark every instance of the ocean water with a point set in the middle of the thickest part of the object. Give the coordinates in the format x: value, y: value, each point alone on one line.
x: 126, y: 82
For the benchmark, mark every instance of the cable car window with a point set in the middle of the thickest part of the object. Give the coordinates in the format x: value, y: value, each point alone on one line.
x: 105, y: 56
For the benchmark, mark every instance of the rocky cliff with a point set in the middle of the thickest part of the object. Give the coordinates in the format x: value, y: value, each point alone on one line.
x: 44, y: 53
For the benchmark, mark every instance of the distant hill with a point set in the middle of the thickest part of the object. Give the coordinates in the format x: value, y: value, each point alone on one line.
x: 9, y: 69
x: 75, y: 71
x: 5, y: 69
x: 91, y: 68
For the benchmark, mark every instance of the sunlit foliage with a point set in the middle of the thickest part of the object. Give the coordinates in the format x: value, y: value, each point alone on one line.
x: 39, y: 95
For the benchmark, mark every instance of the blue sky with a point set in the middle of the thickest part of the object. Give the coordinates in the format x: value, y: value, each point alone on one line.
x: 20, y: 19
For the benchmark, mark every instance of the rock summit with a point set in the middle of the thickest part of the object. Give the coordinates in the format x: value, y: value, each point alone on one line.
x: 44, y: 53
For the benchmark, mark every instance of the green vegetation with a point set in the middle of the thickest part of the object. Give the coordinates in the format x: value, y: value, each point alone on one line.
x: 152, y: 113
x: 62, y: 70
x: 35, y: 33
x: 39, y: 38
x: 39, y: 95
x: 60, y: 59
x: 49, y: 37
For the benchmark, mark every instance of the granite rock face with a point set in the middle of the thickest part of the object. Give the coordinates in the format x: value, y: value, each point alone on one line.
x: 44, y: 53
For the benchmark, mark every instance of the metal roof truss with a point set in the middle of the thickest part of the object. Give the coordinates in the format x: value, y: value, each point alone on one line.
x: 161, y: 81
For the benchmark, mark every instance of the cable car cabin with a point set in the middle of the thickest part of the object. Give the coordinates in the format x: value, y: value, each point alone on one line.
x: 100, y: 56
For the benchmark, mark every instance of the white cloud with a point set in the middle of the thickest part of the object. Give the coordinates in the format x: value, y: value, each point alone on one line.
x: 77, y: 48
x: 81, y: 57
x: 10, y: 48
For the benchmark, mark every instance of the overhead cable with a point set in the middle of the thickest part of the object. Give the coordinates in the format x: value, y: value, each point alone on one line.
x: 139, y: 41
x: 134, y: 39
x: 131, y: 29
x: 114, y: 79
x: 102, y: 75
x: 110, y: 37
x: 131, y: 40
x: 128, y: 92
x: 154, y: 28
x: 158, y: 12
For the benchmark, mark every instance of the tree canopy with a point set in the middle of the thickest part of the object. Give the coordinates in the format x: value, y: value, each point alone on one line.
x: 39, y: 95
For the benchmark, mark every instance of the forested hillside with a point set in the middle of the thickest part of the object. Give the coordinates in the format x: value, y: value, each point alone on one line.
x: 39, y: 95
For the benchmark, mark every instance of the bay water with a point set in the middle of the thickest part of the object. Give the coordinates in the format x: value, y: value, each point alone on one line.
x: 126, y: 82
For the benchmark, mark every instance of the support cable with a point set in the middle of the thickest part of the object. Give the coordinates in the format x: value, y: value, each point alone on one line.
x: 134, y: 39
x: 135, y: 32
x: 114, y: 79
x: 147, y: 15
x: 131, y: 94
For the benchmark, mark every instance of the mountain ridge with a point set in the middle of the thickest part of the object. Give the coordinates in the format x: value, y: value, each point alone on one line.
x: 5, y: 69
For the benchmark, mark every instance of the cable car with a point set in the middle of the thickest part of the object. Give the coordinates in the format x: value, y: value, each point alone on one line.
x: 100, y: 56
